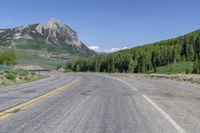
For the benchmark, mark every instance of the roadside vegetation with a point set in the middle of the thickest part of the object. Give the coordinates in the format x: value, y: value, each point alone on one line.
x: 7, y: 57
x: 37, y: 57
x: 170, y: 56
x: 181, y: 68
x: 8, y: 74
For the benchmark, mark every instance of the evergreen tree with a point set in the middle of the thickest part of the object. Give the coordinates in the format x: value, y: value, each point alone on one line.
x: 191, y: 53
x: 196, y: 67
x: 77, y: 68
x: 197, y: 46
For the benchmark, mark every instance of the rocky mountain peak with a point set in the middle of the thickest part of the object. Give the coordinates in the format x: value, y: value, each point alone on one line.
x: 53, y: 33
x: 56, y: 31
x: 55, y: 24
x: 52, y: 24
x: 54, y: 21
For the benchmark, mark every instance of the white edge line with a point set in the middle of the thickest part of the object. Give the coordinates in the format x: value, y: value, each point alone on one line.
x: 115, y: 78
x: 174, y: 123
x: 125, y: 83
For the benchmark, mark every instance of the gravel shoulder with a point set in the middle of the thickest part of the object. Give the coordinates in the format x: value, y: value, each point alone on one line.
x: 192, y: 78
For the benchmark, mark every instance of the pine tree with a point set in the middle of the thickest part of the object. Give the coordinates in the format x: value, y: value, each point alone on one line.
x: 191, y: 53
x: 96, y: 67
x: 77, y: 68
x: 196, y: 66
x: 197, y: 46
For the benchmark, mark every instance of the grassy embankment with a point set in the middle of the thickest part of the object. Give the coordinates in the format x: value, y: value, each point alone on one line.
x: 11, y: 76
x: 35, y: 57
x: 179, y: 68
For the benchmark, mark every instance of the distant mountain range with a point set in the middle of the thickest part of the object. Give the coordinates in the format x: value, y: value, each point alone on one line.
x: 53, y: 36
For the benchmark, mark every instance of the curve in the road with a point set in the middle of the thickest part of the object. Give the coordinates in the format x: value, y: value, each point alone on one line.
x: 8, y: 112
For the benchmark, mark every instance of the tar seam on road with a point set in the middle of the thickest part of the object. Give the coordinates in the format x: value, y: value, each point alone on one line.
x: 10, y: 111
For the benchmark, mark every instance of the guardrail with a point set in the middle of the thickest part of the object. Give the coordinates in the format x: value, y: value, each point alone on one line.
x: 40, y: 70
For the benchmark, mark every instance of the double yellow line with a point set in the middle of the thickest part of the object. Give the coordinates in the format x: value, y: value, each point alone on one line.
x: 10, y: 111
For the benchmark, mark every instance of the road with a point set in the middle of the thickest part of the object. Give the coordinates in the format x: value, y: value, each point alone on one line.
x: 96, y: 103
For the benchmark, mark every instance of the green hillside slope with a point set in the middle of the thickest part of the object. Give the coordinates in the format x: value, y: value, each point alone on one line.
x: 146, y: 58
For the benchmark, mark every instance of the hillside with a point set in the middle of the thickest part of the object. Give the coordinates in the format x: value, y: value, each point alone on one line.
x: 54, y: 40
x: 147, y: 58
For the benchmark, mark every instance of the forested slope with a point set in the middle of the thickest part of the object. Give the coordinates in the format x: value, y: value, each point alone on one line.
x: 147, y: 58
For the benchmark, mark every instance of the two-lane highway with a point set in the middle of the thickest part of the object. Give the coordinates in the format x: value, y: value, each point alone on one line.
x: 82, y: 103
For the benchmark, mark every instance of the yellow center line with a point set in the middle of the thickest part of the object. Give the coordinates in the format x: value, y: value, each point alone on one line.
x: 10, y: 111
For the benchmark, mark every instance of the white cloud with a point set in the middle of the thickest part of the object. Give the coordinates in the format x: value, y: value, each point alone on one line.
x: 115, y: 49
x: 95, y: 48
x: 98, y: 49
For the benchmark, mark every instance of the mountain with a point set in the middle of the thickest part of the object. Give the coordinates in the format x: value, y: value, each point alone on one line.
x: 171, y: 56
x: 53, y: 37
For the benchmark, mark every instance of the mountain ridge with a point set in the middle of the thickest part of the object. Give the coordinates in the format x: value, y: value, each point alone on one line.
x: 47, y: 36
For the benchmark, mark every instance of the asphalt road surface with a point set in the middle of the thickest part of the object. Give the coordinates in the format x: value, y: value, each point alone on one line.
x: 92, y: 103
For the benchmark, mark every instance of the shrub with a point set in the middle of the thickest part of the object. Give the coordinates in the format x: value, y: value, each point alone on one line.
x: 58, y: 67
x: 8, y: 57
x: 68, y: 70
x: 187, y: 71
x: 27, y: 78
x: 11, y: 76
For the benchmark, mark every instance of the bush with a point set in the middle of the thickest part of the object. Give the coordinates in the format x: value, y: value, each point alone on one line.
x: 8, y: 57
x: 68, y: 70
x: 58, y: 67
x: 27, y: 78
x: 22, y: 73
x: 187, y: 71
x: 11, y: 76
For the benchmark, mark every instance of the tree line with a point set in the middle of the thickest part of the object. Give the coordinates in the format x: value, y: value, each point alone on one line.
x: 7, y: 57
x: 144, y: 59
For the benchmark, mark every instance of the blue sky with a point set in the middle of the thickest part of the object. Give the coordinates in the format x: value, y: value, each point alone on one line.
x: 109, y: 24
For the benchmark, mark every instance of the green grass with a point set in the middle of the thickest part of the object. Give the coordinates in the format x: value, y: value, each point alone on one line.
x: 176, y: 68
x: 36, y: 57
x: 11, y: 76
x: 40, y: 58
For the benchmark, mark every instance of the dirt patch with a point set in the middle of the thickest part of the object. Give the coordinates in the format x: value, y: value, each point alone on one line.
x: 179, y: 77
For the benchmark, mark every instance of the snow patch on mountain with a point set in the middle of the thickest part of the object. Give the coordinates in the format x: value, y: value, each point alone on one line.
x: 21, y: 28
x: 18, y: 36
